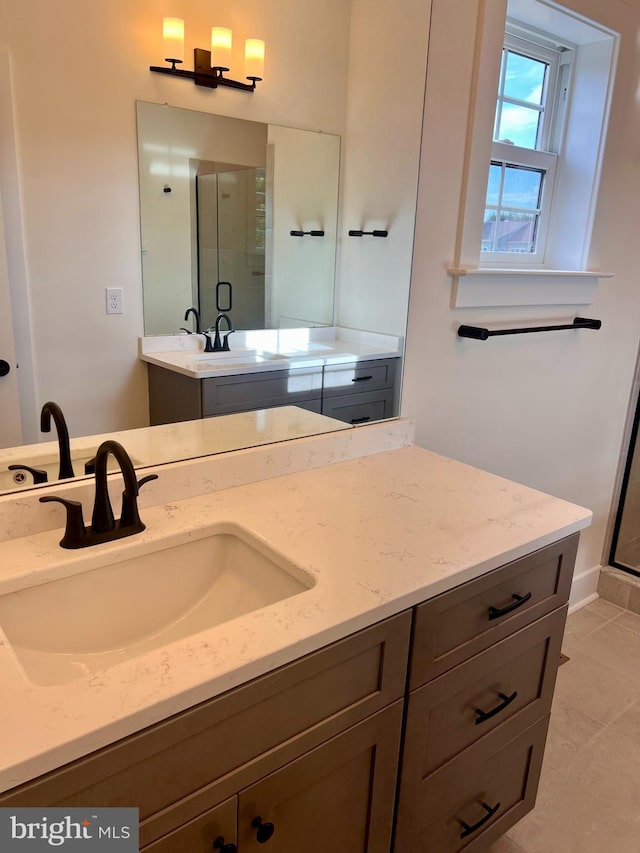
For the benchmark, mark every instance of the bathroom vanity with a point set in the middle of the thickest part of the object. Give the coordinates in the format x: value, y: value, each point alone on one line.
x: 350, y: 376
x: 399, y: 700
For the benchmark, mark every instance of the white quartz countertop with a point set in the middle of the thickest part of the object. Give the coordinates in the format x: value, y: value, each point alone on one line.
x: 158, y: 445
x: 377, y: 534
x: 259, y: 350
x: 202, y: 365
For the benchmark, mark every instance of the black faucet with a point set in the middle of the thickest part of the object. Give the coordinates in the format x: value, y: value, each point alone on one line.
x: 53, y: 410
x: 195, y: 313
x: 218, y: 344
x: 104, y: 527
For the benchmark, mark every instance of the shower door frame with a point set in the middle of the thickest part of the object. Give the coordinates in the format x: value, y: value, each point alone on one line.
x: 626, y: 476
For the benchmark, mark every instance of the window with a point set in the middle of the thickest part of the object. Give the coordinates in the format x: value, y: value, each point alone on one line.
x: 538, y: 107
x: 526, y: 138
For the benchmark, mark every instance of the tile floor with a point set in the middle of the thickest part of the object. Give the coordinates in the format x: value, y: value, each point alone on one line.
x: 589, y: 797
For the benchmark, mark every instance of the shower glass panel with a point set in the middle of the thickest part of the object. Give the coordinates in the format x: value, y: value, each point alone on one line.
x: 231, y: 212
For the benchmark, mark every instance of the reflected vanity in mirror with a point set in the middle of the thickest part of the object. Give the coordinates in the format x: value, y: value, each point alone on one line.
x: 225, y: 199
x: 254, y: 206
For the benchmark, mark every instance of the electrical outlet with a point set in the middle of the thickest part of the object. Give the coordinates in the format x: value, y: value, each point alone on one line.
x: 114, y: 300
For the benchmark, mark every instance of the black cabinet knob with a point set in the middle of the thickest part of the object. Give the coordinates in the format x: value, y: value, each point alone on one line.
x: 5, y: 367
x: 219, y: 844
x: 265, y: 830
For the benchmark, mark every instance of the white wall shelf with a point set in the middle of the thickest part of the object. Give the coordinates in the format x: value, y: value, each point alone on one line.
x: 482, y: 288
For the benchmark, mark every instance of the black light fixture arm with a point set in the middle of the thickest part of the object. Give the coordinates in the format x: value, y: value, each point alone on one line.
x: 204, y: 74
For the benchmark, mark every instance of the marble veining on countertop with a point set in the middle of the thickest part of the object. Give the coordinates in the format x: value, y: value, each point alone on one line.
x: 377, y: 534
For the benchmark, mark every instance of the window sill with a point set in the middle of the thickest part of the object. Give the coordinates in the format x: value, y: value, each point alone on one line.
x: 485, y: 288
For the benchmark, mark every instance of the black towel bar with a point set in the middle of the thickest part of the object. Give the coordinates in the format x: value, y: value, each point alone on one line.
x: 480, y: 334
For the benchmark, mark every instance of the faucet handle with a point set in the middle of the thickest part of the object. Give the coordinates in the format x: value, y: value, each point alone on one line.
x: 208, y: 346
x: 130, y: 517
x: 75, y: 531
x: 146, y: 480
x: 225, y: 344
x: 39, y: 476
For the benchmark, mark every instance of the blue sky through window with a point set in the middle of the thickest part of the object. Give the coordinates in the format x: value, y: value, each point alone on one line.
x: 524, y: 79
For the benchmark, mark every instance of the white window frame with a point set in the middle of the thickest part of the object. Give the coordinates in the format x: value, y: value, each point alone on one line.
x: 549, y: 138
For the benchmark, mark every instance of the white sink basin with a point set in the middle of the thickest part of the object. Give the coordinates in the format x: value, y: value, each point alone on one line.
x: 68, y: 628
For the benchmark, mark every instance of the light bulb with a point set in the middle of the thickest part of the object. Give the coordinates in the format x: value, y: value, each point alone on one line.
x: 221, y: 48
x: 173, y: 39
x: 254, y: 59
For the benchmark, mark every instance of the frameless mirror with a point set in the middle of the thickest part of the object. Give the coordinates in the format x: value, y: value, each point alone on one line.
x: 229, y: 200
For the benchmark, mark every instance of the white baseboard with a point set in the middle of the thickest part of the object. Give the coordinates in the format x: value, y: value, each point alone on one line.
x: 584, y: 588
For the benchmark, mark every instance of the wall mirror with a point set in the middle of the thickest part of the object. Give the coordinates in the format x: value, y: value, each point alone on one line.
x: 93, y: 242
x: 219, y: 198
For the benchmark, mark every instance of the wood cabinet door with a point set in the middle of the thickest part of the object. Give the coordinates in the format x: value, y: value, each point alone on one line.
x: 339, y: 797
x: 216, y: 826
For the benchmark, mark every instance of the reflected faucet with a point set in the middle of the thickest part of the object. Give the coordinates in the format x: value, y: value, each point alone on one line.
x: 104, y: 527
x: 53, y: 410
x: 218, y: 344
x: 196, y: 314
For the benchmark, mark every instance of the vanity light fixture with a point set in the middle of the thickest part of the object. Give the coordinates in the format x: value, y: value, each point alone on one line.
x: 210, y: 65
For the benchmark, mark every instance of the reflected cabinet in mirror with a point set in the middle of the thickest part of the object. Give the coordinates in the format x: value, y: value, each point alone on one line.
x: 229, y: 200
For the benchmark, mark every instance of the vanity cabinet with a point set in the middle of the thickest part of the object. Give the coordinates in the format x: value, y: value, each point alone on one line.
x: 482, y: 674
x: 311, y: 752
x: 174, y: 397
x: 338, y: 796
x: 357, y: 392
x: 361, y: 391
x: 179, y: 770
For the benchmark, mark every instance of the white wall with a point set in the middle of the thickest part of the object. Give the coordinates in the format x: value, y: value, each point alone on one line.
x: 78, y: 69
x: 547, y: 410
x: 305, y: 172
x: 387, y: 61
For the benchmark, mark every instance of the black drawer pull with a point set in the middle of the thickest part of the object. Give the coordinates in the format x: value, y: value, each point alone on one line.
x: 486, y: 715
x: 362, y: 378
x: 360, y: 420
x: 497, y: 612
x: 469, y: 830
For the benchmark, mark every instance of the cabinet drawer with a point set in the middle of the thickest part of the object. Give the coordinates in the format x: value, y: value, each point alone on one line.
x: 359, y: 408
x: 210, y: 751
x: 511, y: 684
x: 224, y: 394
x: 359, y: 376
x: 482, y: 804
x: 458, y: 624
x: 198, y: 835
